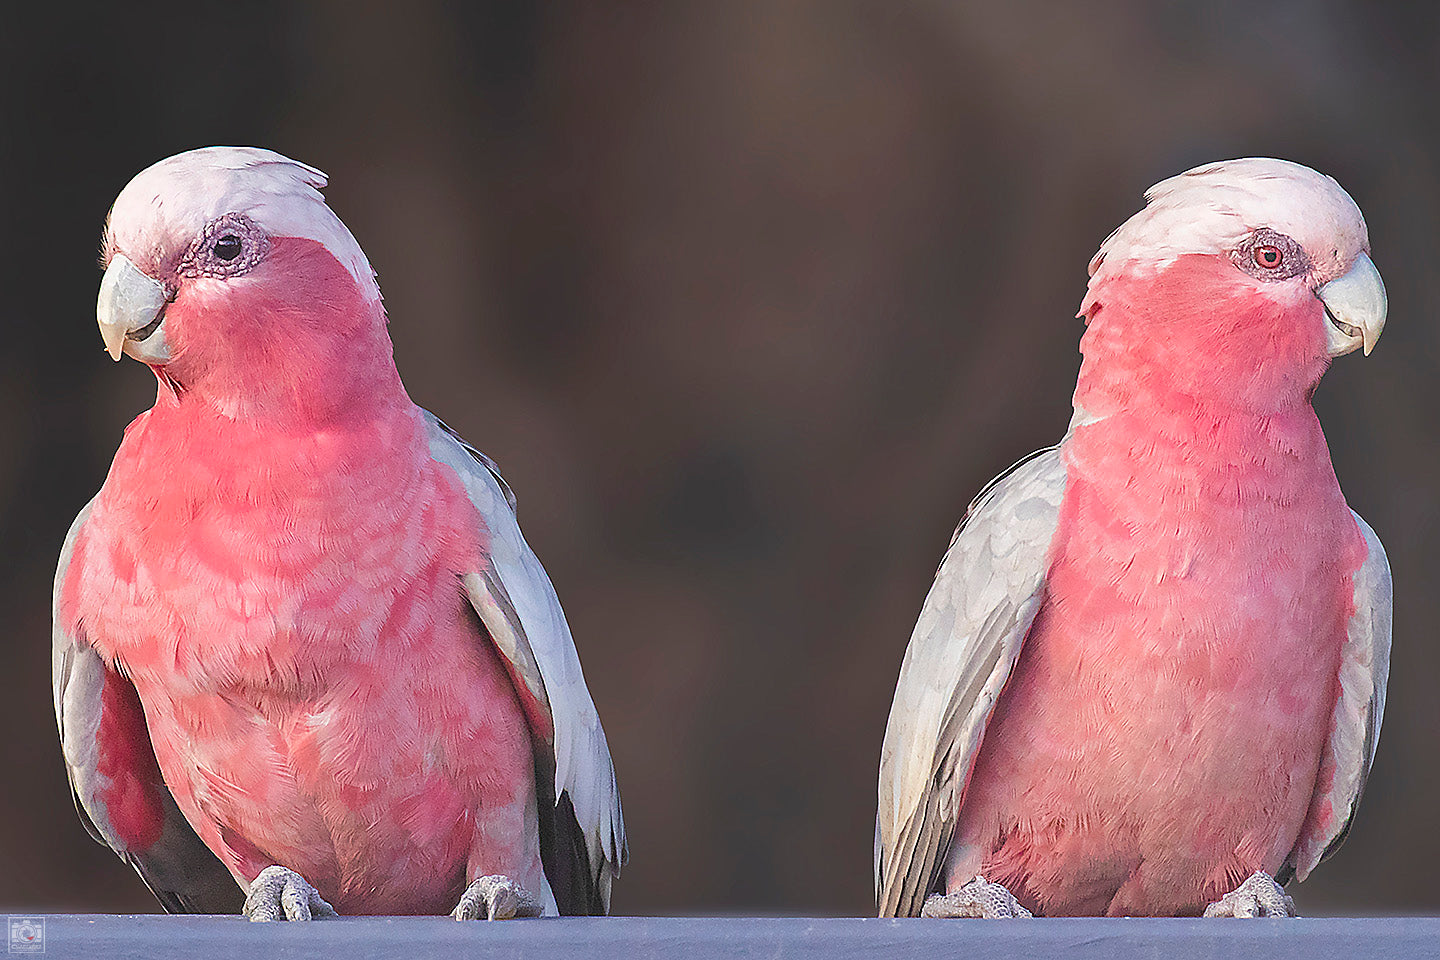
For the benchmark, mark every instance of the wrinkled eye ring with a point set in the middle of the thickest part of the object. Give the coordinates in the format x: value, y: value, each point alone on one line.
x: 228, y: 246
x: 1268, y: 254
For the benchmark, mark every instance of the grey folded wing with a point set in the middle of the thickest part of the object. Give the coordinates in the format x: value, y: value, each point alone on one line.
x: 970, y: 632
x: 583, y: 840
x: 119, y: 792
x: 1359, y: 708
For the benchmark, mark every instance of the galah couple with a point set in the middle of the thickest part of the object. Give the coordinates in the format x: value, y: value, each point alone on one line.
x: 1150, y: 674
x: 303, y: 652
x: 303, y: 656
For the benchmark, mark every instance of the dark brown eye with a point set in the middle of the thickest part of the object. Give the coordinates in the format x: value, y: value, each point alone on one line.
x: 227, y: 247
x: 1268, y: 257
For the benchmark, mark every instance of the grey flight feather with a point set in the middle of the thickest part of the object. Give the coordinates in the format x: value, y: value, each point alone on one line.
x: 518, y: 606
x: 986, y: 594
x: 1359, y: 708
x: 181, y: 871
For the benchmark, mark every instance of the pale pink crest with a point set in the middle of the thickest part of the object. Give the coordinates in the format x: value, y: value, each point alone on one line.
x: 166, y: 206
x: 1212, y: 208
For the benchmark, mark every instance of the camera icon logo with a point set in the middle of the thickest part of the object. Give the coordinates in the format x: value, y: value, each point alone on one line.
x: 27, y: 934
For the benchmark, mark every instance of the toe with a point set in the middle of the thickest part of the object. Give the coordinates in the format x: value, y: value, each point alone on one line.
x: 495, y: 898
x: 296, y: 901
x: 278, y: 893
x: 319, y: 908
x: 978, y: 899
x: 1258, y: 896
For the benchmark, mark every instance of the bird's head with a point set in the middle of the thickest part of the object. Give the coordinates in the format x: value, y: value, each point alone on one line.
x: 1249, y: 262
x: 225, y: 271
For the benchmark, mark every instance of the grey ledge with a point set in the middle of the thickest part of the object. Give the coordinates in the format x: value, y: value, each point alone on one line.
x: 93, y: 937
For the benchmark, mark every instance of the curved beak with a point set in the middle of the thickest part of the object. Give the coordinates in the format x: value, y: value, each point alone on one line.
x: 1355, y: 307
x: 130, y: 309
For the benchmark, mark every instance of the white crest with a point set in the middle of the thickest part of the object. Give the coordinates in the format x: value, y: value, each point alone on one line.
x: 168, y: 203
x: 1211, y: 208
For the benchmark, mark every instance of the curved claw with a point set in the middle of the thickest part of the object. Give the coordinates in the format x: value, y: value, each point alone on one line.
x: 495, y: 898
x: 282, y: 894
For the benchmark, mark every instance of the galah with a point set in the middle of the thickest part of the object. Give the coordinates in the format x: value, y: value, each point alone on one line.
x: 303, y: 656
x: 1149, y: 677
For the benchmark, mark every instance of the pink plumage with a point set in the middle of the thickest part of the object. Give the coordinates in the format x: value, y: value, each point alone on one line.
x: 349, y: 662
x: 1136, y: 676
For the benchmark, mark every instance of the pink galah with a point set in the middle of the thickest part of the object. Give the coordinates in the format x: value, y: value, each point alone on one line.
x: 1150, y: 674
x: 300, y: 642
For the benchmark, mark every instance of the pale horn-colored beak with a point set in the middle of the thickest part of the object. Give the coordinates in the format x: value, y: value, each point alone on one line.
x: 1354, y: 307
x: 131, y: 309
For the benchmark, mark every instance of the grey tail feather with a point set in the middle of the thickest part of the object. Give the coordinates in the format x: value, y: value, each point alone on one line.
x: 215, y: 893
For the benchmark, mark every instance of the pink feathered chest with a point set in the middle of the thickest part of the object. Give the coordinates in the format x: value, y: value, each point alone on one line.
x: 1173, y: 697
x: 1220, y: 550
x: 316, y: 687
x: 231, y: 556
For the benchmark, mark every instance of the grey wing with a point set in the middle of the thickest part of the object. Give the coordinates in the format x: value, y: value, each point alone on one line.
x: 1359, y: 708
x: 971, y: 628
x: 94, y: 707
x: 583, y: 844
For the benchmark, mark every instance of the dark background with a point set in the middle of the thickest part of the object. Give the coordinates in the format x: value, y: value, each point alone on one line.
x: 748, y: 300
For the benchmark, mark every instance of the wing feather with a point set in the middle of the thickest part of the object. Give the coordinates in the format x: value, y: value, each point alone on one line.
x: 518, y: 606
x: 1359, y: 708
x: 95, y: 706
x: 971, y: 628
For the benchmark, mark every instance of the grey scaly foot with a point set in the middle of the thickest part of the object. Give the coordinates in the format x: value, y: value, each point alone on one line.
x: 1259, y: 896
x: 495, y: 898
x: 979, y: 898
x: 281, y: 894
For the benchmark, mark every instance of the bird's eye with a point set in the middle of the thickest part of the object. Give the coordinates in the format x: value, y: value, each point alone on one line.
x: 228, y: 247
x: 1268, y: 257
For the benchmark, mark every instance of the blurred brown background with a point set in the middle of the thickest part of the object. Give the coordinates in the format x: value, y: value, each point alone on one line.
x: 748, y: 300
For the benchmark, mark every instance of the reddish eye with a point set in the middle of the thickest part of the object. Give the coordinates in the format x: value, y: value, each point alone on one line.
x: 1268, y: 257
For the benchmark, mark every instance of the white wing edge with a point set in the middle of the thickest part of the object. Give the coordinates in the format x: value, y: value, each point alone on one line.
x: 76, y: 721
x: 1359, y: 709
x: 542, y: 650
x: 969, y: 634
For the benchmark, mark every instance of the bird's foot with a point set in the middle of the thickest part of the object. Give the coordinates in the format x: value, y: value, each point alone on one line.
x: 281, y: 894
x: 979, y: 898
x: 1259, y: 896
x: 495, y: 898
